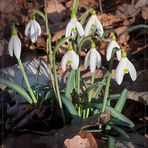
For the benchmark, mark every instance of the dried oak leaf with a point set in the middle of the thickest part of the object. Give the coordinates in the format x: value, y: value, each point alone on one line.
x: 81, y: 140
x: 82, y: 3
x: 108, y: 19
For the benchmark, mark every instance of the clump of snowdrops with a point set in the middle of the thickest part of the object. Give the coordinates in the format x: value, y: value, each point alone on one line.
x: 79, y: 99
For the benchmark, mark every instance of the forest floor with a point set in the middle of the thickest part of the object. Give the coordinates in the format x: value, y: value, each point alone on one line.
x: 116, y: 14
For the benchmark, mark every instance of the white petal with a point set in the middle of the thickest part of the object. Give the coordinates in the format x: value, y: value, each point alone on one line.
x: 64, y: 61
x: 17, y: 47
x: 98, y: 59
x: 87, y: 60
x: 118, y: 53
x: 89, y: 25
x: 27, y: 29
x: 33, y: 33
x: 68, y: 28
x: 93, y: 60
x: 120, y: 70
x: 10, y: 45
x: 116, y: 45
x: 109, y: 50
x: 38, y: 28
x: 99, y: 27
x: 80, y: 29
x: 75, y: 59
x: 132, y: 70
x: 110, y: 47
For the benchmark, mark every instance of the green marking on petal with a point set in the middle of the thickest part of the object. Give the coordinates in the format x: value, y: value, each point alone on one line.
x: 113, y: 38
x: 123, y: 54
x: 70, y: 48
x: 73, y: 15
x: 93, y: 45
x: 74, y: 29
x: 93, y: 26
x: 14, y: 30
x: 69, y: 62
x: 33, y: 17
x: 125, y: 70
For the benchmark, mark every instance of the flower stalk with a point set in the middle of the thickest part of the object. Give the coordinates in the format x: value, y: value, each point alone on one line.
x: 49, y: 48
x: 58, y: 90
x: 108, y: 82
x: 27, y: 82
x: 90, y: 94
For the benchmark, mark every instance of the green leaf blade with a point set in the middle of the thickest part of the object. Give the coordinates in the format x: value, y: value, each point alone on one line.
x: 121, y: 101
x: 17, y: 88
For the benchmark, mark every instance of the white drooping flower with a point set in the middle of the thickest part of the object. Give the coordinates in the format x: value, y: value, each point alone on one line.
x: 14, y: 45
x: 93, y: 25
x: 125, y: 66
x: 70, y: 58
x: 92, y: 59
x: 113, y: 44
x: 73, y: 27
x: 33, y: 29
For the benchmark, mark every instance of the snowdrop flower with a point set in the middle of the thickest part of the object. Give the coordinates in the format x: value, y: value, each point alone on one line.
x: 33, y: 29
x: 14, y: 45
x: 74, y: 26
x: 113, y: 44
x: 93, y: 25
x: 125, y: 66
x: 92, y: 59
x: 70, y: 58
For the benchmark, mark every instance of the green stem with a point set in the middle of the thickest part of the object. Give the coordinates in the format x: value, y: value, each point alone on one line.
x: 57, y: 90
x: 49, y: 48
x: 108, y: 82
x: 75, y: 4
x: 90, y: 94
x: 78, y: 80
x: 132, y: 29
x: 27, y: 82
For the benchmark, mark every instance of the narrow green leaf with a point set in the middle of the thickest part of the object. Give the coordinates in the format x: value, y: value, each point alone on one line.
x: 48, y: 95
x: 60, y: 43
x: 114, y: 96
x: 92, y: 130
x: 120, y: 130
x: 70, y: 84
x: 68, y: 104
x: 84, y: 16
x: 111, y: 142
x: 39, y: 13
x: 121, y: 101
x: 101, y: 86
x: 118, y: 122
x: 115, y: 114
x: 94, y: 85
x: 84, y: 83
x: 17, y: 88
x: 132, y: 29
x: 82, y: 41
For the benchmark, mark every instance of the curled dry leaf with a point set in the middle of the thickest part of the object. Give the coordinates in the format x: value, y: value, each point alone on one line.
x: 108, y: 20
x: 77, y: 142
